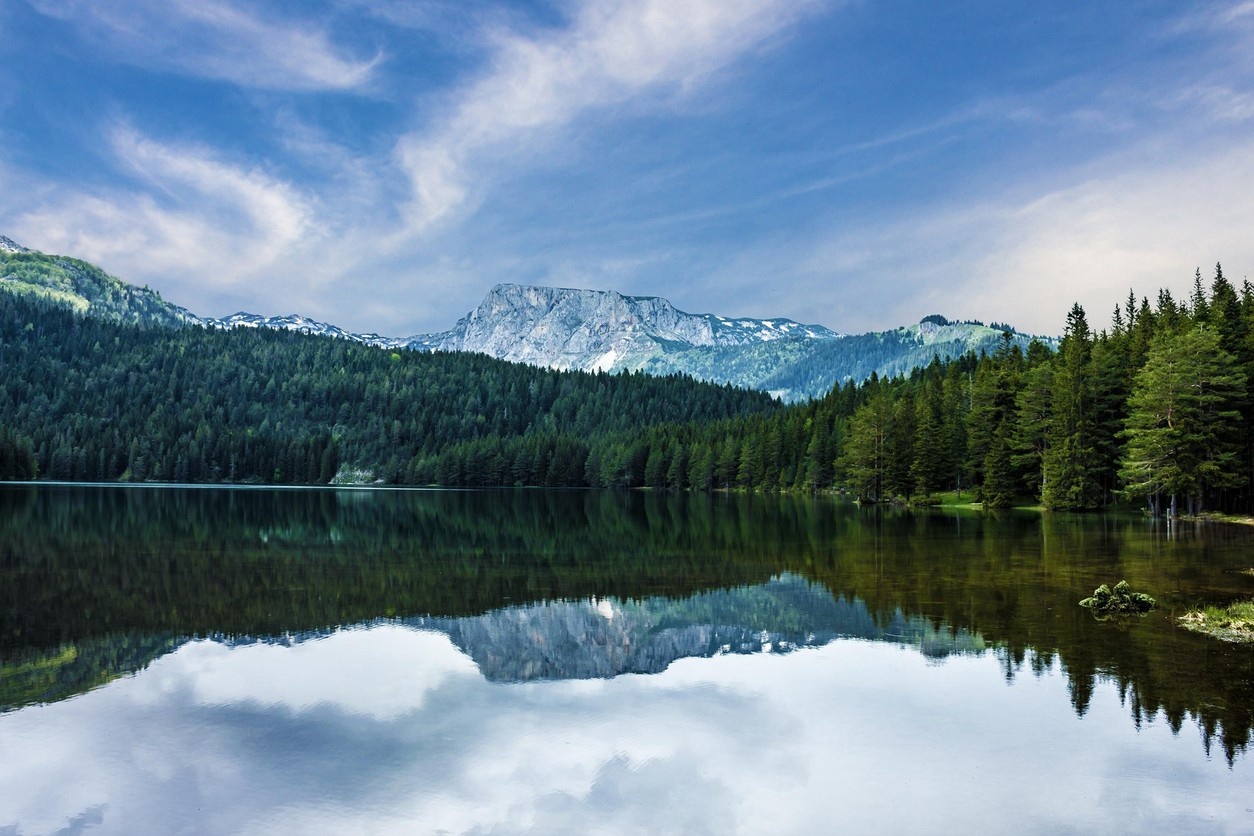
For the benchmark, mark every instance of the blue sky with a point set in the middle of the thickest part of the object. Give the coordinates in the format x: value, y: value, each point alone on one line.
x: 380, y: 165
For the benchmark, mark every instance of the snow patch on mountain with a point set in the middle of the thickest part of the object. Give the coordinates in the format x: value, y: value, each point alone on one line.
x: 596, y: 330
x: 605, y: 331
x: 301, y: 325
x: 8, y: 245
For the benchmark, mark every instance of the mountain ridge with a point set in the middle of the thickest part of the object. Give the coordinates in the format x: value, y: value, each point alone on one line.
x: 595, y: 330
x: 85, y: 288
x: 607, y: 331
x: 566, y: 329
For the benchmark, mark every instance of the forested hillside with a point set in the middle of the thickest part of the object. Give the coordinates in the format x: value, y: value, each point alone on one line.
x: 560, y: 328
x: 1155, y: 409
x: 84, y: 288
x: 94, y: 400
x: 802, y: 369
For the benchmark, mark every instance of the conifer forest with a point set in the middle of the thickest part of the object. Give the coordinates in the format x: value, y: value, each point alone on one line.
x: 1152, y: 409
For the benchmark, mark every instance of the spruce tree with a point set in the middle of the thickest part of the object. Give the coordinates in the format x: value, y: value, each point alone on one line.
x: 930, y: 467
x: 1183, y: 427
x: 1068, y: 472
x: 865, y: 459
x: 999, y: 487
x: 1030, y: 439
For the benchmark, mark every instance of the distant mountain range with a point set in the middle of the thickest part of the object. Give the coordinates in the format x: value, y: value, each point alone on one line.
x: 589, y: 330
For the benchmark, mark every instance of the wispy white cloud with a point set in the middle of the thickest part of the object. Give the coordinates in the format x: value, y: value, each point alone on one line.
x: 1170, y: 190
x: 204, y: 223
x: 207, y: 226
x: 1141, y: 222
x: 1220, y: 15
x: 214, y: 39
x: 1221, y: 102
x: 377, y: 233
x: 612, y: 51
x: 1142, y: 227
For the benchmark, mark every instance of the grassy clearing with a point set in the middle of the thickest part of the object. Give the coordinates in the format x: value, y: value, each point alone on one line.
x: 967, y: 500
x: 949, y: 499
x: 1234, y: 623
x: 1236, y: 519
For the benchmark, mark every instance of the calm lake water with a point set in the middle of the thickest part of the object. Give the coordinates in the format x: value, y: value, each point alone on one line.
x: 266, y: 661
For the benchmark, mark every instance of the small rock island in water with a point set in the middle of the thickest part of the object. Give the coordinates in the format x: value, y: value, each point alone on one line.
x: 1120, y: 601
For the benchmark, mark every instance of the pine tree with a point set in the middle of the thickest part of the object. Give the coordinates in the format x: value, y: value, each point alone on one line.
x: 1030, y: 439
x: 1111, y: 381
x: 818, y: 456
x: 956, y: 404
x: 677, y: 472
x: 1183, y: 427
x: 701, y: 467
x: 993, y: 395
x: 865, y: 459
x: 899, y: 452
x: 1068, y: 466
x: 999, y: 485
x: 931, y: 466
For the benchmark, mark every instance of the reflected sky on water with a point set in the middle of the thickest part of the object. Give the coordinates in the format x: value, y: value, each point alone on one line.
x: 393, y: 729
x: 221, y: 661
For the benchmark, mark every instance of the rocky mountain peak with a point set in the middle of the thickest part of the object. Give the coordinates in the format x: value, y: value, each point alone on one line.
x: 8, y: 245
x: 596, y: 330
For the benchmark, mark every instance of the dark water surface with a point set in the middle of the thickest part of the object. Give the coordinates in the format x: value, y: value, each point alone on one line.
x: 249, y: 660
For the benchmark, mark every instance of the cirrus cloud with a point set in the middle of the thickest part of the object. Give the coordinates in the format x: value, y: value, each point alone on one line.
x: 214, y: 39
x: 611, y: 53
x: 186, y: 214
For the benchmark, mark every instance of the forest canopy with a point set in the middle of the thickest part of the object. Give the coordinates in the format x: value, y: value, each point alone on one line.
x: 1153, y: 409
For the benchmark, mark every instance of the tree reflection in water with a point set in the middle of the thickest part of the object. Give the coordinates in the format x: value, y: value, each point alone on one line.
x: 97, y: 582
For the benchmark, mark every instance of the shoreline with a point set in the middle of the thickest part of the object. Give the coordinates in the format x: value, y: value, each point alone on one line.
x: 949, y: 503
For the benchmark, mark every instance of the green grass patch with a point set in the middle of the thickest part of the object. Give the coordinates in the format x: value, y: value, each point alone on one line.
x: 1234, y: 623
x: 1237, y: 519
x: 967, y: 500
x: 953, y: 499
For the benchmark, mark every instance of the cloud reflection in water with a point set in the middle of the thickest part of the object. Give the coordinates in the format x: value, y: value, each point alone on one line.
x: 393, y: 729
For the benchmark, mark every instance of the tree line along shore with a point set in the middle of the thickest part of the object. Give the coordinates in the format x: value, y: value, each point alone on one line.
x: 1152, y: 410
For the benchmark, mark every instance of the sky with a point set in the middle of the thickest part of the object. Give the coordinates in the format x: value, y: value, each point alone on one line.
x: 380, y: 164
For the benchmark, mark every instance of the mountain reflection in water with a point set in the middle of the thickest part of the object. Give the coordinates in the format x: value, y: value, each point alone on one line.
x: 99, y: 582
x: 607, y: 637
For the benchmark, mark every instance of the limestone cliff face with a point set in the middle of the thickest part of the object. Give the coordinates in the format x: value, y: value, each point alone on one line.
x: 596, y: 330
x: 599, y: 330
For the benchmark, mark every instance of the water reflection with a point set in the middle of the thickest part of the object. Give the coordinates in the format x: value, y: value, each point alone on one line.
x: 608, y: 637
x: 393, y: 729
x: 100, y: 582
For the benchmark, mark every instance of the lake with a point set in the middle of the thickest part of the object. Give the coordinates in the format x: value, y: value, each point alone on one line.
x: 183, y: 660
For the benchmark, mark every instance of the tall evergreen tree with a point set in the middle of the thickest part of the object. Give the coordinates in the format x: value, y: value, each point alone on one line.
x: 931, y: 466
x: 1068, y: 467
x: 999, y: 486
x: 1033, y: 408
x: 865, y: 460
x: 956, y: 392
x: 1182, y: 429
